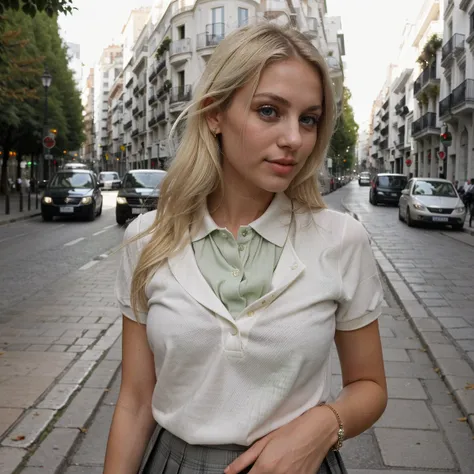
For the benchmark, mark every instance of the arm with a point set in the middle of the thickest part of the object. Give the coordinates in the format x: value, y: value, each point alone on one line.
x: 133, y: 423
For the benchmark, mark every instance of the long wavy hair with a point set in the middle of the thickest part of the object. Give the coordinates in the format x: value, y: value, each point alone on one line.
x: 196, y: 171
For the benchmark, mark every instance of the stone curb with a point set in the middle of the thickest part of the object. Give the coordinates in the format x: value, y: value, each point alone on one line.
x: 61, y: 415
x: 450, y: 362
x: 20, y: 218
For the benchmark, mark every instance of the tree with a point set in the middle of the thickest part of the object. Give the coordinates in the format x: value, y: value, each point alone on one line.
x: 344, y: 139
x: 32, y: 7
x: 38, y: 44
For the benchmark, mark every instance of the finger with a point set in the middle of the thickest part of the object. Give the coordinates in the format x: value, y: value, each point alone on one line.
x: 247, y: 458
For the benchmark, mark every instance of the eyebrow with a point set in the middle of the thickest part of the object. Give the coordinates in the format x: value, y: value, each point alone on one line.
x: 284, y: 102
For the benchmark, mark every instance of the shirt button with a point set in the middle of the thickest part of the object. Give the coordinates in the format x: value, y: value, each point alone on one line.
x: 251, y: 313
x: 234, y: 331
x: 223, y: 234
x: 236, y: 273
x: 245, y: 232
x: 294, y: 266
x: 241, y: 247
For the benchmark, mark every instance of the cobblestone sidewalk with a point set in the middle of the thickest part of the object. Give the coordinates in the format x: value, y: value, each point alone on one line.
x: 49, y: 344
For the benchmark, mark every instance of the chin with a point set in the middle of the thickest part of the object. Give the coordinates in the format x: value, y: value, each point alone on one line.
x: 275, y: 185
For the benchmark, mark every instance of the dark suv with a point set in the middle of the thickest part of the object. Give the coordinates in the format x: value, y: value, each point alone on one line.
x: 387, y: 188
x: 74, y: 193
x: 139, y: 193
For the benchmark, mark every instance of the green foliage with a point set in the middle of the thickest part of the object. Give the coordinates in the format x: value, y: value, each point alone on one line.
x: 32, y: 7
x: 164, y: 46
x: 344, y: 139
x: 428, y: 55
x: 27, y: 45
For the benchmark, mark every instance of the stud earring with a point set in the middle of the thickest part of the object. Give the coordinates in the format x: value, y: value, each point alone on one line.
x: 214, y: 132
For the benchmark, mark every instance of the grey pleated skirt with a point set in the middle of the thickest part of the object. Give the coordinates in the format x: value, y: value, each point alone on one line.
x: 167, y: 454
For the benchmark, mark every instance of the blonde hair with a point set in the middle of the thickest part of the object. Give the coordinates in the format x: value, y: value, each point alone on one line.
x: 196, y: 170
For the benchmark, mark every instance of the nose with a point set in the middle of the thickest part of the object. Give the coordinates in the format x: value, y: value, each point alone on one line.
x: 290, y: 134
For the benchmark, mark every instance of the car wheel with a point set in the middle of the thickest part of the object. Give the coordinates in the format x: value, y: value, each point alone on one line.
x: 92, y: 213
x: 121, y: 219
x: 46, y: 217
x: 373, y: 200
x: 100, y: 210
x: 409, y: 219
x: 400, y: 217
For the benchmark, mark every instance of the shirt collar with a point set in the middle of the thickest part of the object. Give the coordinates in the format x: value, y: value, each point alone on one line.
x: 272, y: 225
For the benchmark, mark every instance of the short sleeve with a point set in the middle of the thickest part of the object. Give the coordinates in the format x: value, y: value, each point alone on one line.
x: 361, y: 292
x: 128, y: 262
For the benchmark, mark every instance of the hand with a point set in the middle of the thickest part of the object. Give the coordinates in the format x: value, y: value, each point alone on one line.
x: 300, y: 446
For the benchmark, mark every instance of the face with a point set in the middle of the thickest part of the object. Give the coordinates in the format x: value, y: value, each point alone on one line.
x: 265, y: 147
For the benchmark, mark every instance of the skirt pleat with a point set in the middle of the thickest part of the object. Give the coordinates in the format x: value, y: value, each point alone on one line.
x: 167, y: 454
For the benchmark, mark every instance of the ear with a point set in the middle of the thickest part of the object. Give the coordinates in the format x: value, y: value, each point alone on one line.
x: 213, y: 117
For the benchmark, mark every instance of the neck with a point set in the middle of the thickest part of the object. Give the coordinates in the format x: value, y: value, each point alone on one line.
x: 237, y: 207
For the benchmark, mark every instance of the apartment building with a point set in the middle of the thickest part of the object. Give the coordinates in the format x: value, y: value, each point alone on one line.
x: 457, y: 88
x: 164, y: 61
x: 88, y: 147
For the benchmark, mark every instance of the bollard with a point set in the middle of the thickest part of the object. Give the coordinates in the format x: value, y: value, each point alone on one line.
x: 21, y: 201
x: 29, y: 200
x: 7, y: 203
x: 36, y: 189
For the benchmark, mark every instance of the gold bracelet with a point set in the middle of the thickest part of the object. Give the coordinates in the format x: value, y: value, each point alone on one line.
x: 340, y: 432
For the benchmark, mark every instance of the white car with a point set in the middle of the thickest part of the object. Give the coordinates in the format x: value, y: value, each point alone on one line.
x: 364, y: 178
x: 110, y: 179
x: 431, y: 201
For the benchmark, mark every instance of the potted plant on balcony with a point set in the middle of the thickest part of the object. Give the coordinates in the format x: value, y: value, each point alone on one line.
x: 164, y: 46
x: 428, y: 55
x: 432, y: 91
x: 167, y: 85
x: 423, y: 99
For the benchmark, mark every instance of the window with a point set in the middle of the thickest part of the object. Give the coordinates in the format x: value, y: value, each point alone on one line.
x: 471, y: 23
x: 217, y: 16
x: 181, y: 32
x: 243, y: 15
x: 181, y: 82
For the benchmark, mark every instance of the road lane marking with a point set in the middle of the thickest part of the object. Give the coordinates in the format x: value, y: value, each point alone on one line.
x: 74, y: 242
x: 13, y: 237
x: 105, y: 229
x: 89, y: 265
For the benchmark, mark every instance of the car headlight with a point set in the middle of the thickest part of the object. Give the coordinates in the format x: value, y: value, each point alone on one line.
x: 47, y: 200
x: 459, y: 209
x: 86, y: 200
x: 418, y: 206
x: 121, y: 200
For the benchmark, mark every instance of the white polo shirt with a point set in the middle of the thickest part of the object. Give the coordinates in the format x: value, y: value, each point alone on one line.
x: 222, y: 380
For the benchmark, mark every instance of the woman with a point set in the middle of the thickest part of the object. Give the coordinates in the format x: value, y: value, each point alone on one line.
x: 234, y: 290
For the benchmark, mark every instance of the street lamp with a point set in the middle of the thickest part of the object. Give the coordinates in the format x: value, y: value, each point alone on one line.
x: 46, y: 79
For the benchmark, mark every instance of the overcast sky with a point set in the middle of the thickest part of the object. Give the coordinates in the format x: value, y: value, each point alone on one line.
x: 372, y: 30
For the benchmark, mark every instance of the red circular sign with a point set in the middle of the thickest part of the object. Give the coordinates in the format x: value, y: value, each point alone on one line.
x: 441, y: 155
x: 49, y: 142
x: 408, y: 162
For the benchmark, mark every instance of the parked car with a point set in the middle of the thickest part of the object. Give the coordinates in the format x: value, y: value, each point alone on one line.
x: 110, y: 179
x: 72, y: 193
x: 139, y: 193
x: 75, y: 166
x: 387, y: 188
x: 431, y: 201
x: 364, y: 178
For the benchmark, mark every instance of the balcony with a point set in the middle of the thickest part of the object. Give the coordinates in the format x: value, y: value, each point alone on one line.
x: 153, y: 75
x: 445, y: 107
x: 161, y: 66
x: 386, y: 115
x: 425, y: 126
x: 376, y: 141
x: 135, y: 111
x: 463, y: 98
x: 128, y: 103
x: 453, y: 47
x: 386, y: 103
x: 377, y: 127
x: 161, y: 117
x: 384, y: 131
x: 135, y: 132
x: 464, y: 5
x: 384, y: 144
x: 180, y: 51
x: 206, y: 42
x: 426, y: 78
x: 311, y: 30
x: 136, y: 89
x: 180, y: 94
x: 127, y: 125
x: 152, y: 122
x: 152, y: 99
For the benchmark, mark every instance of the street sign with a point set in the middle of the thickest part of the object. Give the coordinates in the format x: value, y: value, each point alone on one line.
x: 49, y: 142
x: 48, y: 157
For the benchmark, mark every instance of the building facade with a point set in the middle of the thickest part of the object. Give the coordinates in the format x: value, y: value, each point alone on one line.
x: 456, y: 108
x: 165, y: 51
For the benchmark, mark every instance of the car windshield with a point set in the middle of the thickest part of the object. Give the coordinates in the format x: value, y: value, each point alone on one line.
x: 72, y: 180
x: 434, y: 188
x: 143, y: 180
x: 365, y: 174
x: 108, y: 176
x: 392, y: 182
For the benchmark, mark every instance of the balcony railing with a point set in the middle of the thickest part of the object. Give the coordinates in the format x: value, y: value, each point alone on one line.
x: 386, y: 115
x: 215, y: 33
x: 181, y: 46
x: 161, y: 65
x: 424, y: 123
x: 463, y: 93
x: 384, y: 144
x: 455, y: 42
x: 180, y: 94
x: 445, y: 106
x: 384, y: 131
x: 425, y: 77
x: 312, y: 23
x: 385, y: 105
x: 376, y: 141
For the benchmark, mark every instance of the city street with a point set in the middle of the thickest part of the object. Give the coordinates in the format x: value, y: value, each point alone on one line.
x: 61, y: 350
x: 34, y: 253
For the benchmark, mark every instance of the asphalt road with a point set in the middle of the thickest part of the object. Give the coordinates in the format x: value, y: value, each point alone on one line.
x: 33, y: 253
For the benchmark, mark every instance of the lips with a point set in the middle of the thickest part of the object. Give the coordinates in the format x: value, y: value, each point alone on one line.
x: 284, y: 161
